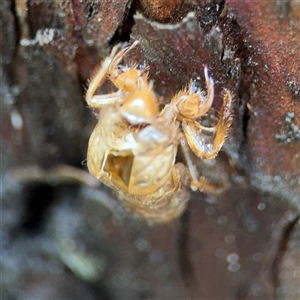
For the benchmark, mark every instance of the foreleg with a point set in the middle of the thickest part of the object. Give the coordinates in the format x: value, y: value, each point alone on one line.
x: 192, y: 103
x: 97, y: 81
x: 192, y: 131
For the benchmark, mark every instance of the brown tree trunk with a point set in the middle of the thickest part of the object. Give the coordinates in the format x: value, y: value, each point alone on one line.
x: 58, y: 243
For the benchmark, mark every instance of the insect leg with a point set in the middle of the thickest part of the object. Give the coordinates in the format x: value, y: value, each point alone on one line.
x: 192, y: 103
x: 117, y: 58
x: 100, y: 101
x: 192, y: 132
x: 197, y: 182
x: 100, y: 75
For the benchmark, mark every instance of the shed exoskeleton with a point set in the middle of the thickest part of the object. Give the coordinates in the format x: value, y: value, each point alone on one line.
x: 134, y: 145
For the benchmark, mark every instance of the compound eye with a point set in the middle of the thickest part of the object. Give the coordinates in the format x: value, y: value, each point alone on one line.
x: 140, y: 107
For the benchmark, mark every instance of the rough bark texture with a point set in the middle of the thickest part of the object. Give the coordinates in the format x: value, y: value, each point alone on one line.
x: 64, y: 238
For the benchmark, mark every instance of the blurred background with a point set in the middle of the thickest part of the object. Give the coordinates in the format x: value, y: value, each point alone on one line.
x: 65, y: 236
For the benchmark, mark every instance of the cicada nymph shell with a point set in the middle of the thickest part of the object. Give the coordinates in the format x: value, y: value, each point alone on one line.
x: 133, y: 147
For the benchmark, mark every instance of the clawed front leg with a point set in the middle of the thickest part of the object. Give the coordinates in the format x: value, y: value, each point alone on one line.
x: 126, y: 79
x: 192, y: 103
x: 113, y: 67
x: 100, y: 77
x: 193, y: 130
x: 100, y: 101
